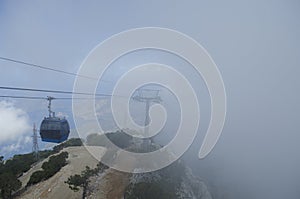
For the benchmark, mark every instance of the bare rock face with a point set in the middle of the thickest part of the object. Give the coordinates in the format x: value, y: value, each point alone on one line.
x: 192, y: 187
x: 175, y: 181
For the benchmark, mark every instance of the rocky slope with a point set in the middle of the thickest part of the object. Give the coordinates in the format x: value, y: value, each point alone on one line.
x: 55, y: 187
x: 175, y: 181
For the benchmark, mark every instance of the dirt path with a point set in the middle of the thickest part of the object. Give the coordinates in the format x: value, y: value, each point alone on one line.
x: 118, y: 183
x: 111, y: 185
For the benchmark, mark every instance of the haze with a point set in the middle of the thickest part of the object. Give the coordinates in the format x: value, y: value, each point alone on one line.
x: 255, y: 44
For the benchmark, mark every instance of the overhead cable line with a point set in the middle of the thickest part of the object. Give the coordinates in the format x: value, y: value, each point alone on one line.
x: 21, y: 97
x: 43, y: 98
x: 48, y: 68
x: 49, y: 91
x: 57, y: 91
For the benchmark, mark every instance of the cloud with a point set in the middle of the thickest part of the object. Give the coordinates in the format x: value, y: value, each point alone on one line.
x: 14, y: 124
x: 62, y: 115
x: 19, y: 145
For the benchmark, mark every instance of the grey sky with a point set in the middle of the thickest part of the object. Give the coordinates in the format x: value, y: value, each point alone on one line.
x: 255, y: 44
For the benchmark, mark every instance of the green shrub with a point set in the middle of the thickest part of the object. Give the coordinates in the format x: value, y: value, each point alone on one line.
x: 36, y: 177
x: 145, y: 190
x: 19, y: 164
x: 119, y: 138
x: 8, y: 183
x: 76, y: 181
x: 50, y: 168
x: 70, y: 142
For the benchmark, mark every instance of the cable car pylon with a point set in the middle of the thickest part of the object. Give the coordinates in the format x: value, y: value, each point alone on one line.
x: 35, y: 145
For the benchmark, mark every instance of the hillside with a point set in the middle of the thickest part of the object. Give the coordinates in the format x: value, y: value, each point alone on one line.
x: 82, y: 175
x: 55, y: 187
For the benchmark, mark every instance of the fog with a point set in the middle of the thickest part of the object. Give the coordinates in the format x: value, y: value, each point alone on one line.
x: 255, y: 45
x: 257, y: 153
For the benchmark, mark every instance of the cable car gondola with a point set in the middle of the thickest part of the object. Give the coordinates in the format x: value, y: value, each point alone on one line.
x: 54, y: 129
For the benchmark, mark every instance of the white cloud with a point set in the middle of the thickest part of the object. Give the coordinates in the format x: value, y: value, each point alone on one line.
x: 17, y: 146
x: 62, y: 115
x: 102, y: 108
x: 14, y: 124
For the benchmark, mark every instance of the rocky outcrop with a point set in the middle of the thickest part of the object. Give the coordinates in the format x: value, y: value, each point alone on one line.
x: 192, y: 187
x: 176, y: 181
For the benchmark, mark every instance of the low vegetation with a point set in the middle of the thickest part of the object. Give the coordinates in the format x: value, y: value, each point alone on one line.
x: 149, y: 190
x: 8, y: 184
x: 119, y: 138
x: 69, y: 143
x: 76, y: 181
x: 11, y: 169
x: 50, y: 168
x: 164, y: 187
x: 14, y: 167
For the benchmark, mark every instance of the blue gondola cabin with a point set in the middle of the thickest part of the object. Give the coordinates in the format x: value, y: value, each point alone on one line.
x: 54, y: 129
